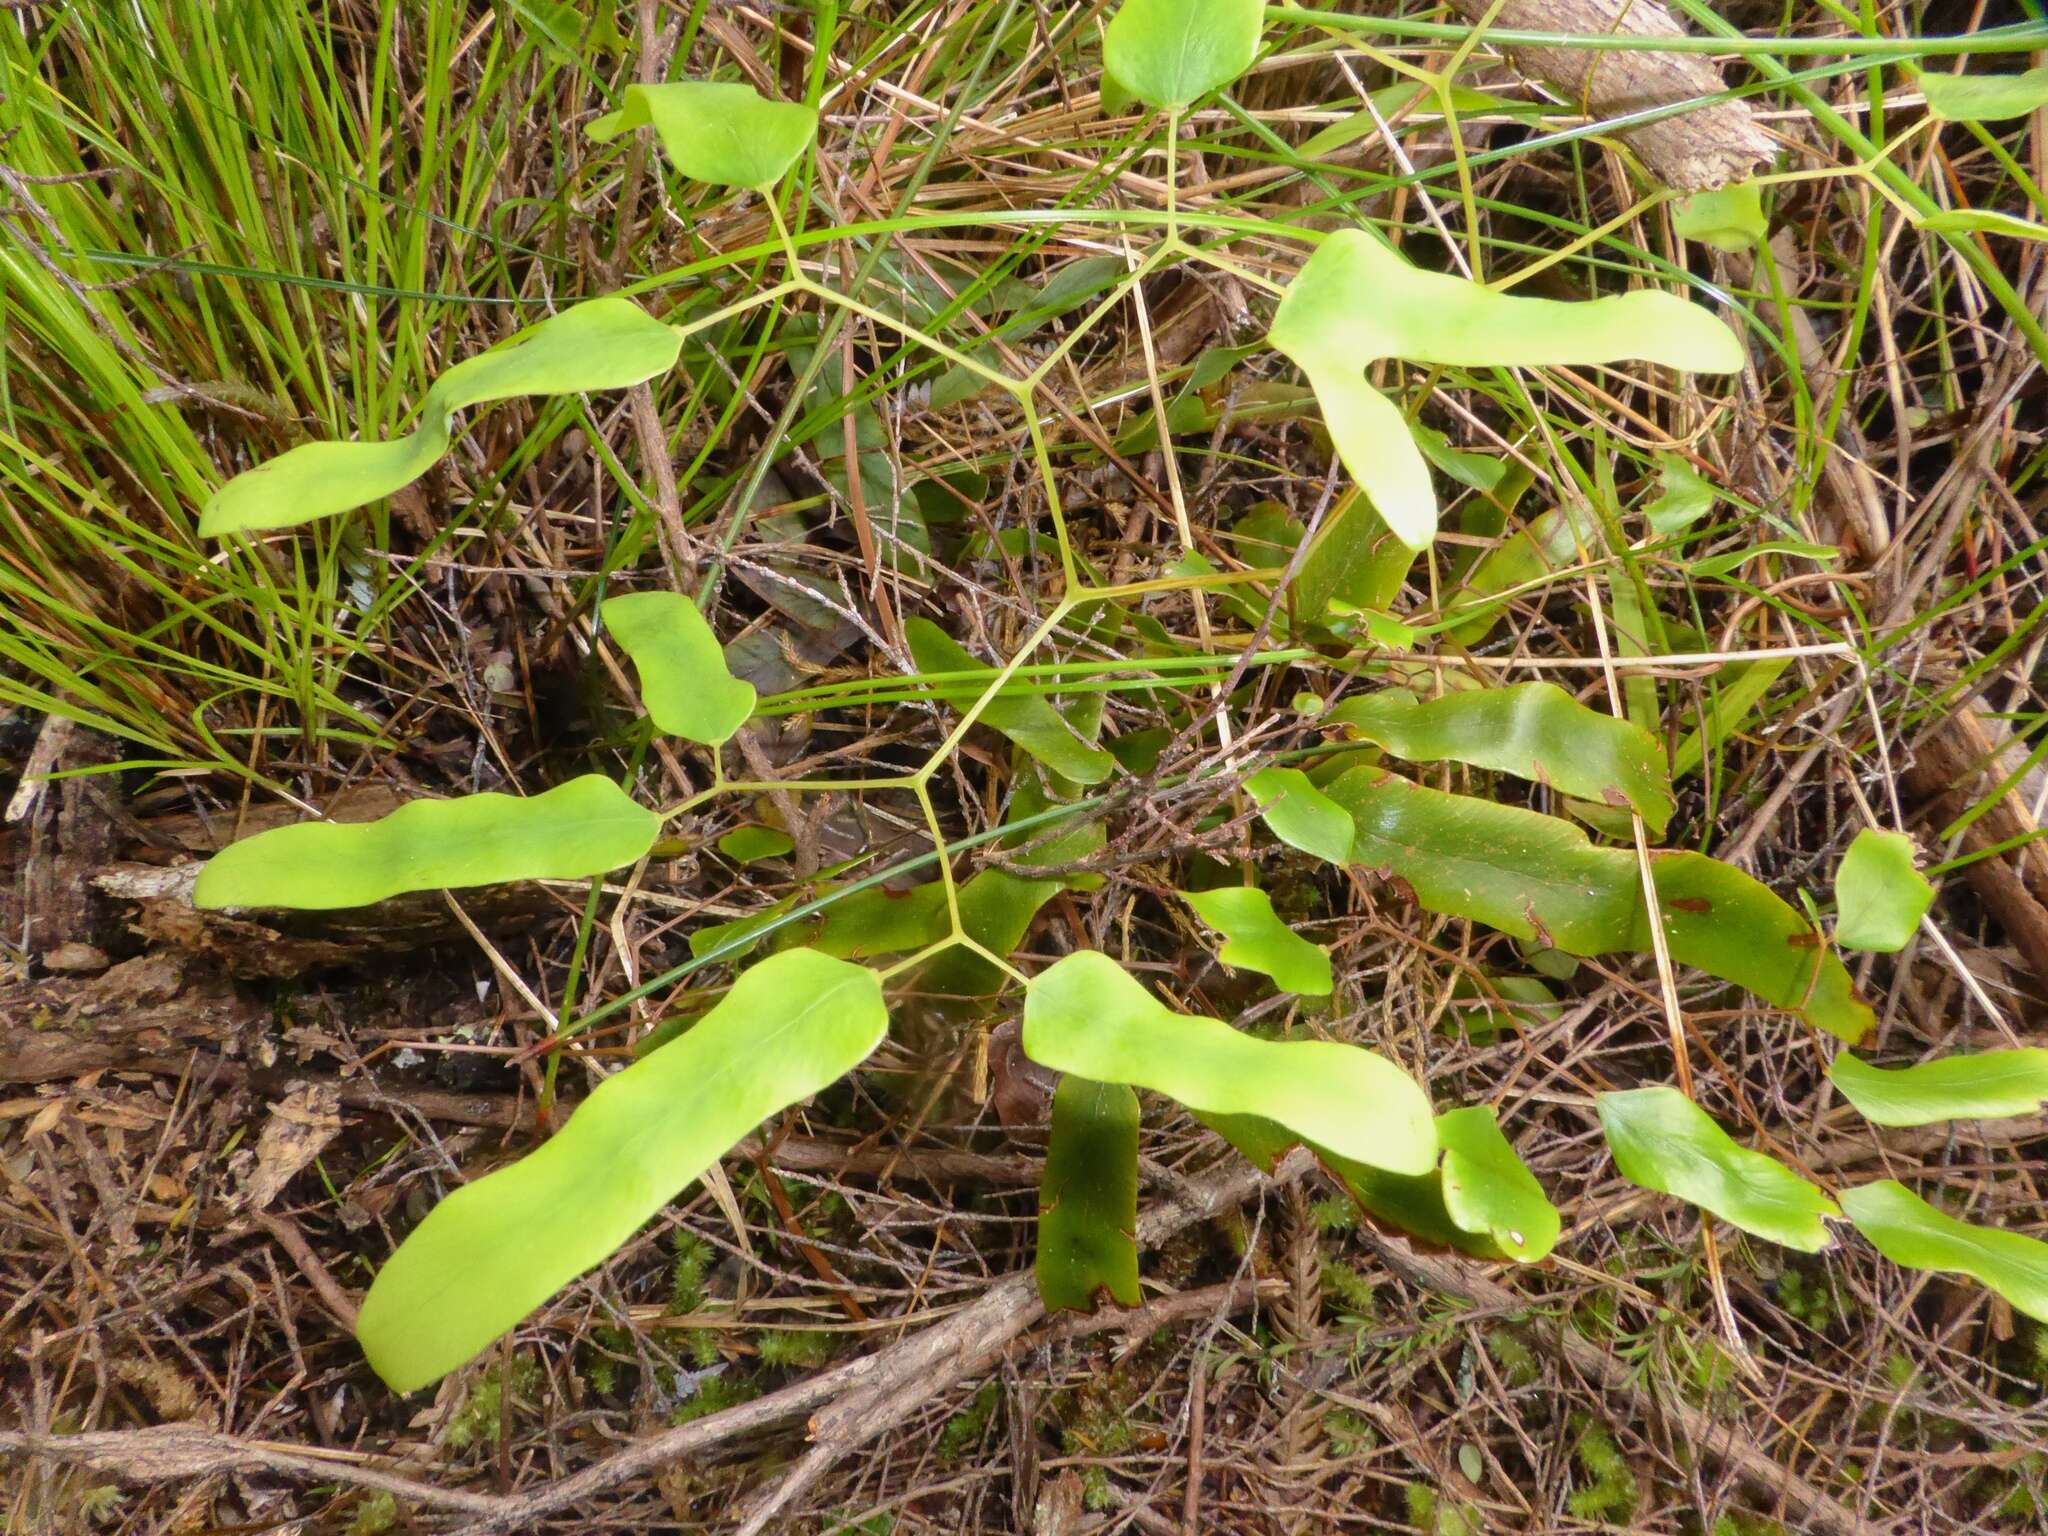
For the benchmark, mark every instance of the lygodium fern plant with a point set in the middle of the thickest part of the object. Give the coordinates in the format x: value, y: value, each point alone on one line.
x: 815, y: 1007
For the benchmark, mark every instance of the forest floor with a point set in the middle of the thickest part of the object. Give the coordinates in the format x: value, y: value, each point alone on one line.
x: 227, y: 226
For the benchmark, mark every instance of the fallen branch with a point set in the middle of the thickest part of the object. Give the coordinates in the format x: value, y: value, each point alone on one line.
x: 1709, y: 146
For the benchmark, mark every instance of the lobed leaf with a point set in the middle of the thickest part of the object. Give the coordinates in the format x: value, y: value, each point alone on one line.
x: 1254, y: 939
x: 1301, y: 815
x: 1168, y: 53
x: 1990, y: 1085
x: 1535, y: 731
x: 1088, y: 1198
x: 607, y: 343
x: 494, y: 1250
x: 684, y: 680
x: 1027, y: 719
x: 1879, y: 896
x: 1910, y: 1232
x: 1661, y: 1140
x: 717, y: 131
x: 1540, y: 879
x: 584, y: 827
x: 1088, y: 1016
x: 1358, y: 300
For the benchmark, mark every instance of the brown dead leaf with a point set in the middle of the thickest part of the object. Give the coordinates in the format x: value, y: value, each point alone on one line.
x: 301, y: 1123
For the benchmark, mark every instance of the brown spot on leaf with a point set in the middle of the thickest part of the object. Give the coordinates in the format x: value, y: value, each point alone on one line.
x: 1695, y: 904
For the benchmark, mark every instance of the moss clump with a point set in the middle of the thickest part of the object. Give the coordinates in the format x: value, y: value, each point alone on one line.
x: 1437, y: 1516
x: 714, y: 1394
x: 1347, y: 1434
x: 964, y: 1430
x: 1350, y: 1292
x: 375, y: 1513
x: 1611, y: 1492
x: 805, y: 1348
x: 1516, y: 1360
x: 481, y: 1418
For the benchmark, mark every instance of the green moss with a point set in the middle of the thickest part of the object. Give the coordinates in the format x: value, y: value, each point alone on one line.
x: 1813, y: 1300
x: 1334, y: 1215
x: 1097, y: 1425
x: 600, y: 1363
x: 964, y: 1430
x: 693, y: 1260
x: 102, y: 1502
x: 1437, y: 1516
x: 375, y: 1513
x: 806, y: 1348
x: 1516, y: 1360
x: 1611, y: 1491
x: 1350, y: 1293
x: 481, y: 1418
x: 714, y: 1394
x: 1347, y: 1434
x: 1746, y: 1525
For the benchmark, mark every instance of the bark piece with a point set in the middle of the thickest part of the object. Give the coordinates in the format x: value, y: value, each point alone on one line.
x: 153, y: 1006
x: 1691, y: 152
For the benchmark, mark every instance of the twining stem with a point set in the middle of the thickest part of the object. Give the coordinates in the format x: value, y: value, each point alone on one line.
x: 904, y: 328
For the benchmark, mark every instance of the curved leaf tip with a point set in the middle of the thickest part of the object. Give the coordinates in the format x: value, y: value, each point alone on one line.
x: 1488, y: 1190
x: 1909, y: 1231
x: 1661, y: 1140
x: 494, y: 1250
x: 684, y: 681
x: 604, y: 343
x: 1358, y: 300
x: 1255, y: 939
x: 1990, y: 1085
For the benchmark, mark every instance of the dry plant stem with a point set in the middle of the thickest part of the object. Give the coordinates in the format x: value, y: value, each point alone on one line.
x: 668, y: 506
x: 1691, y: 152
x: 1724, y: 1441
x: 1667, y: 991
